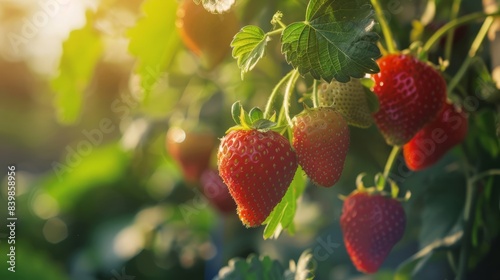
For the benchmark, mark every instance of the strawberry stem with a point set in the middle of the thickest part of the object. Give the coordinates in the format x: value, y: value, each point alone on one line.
x: 482, y: 175
x: 388, y: 165
x: 276, y: 31
x: 389, y: 41
x: 288, y: 93
x: 470, y: 205
x: 453, y: 24
x: 472, y: 53
x: 391, y: 160
x: 455, y: 8
x: 274, y: 94
x: 315, y: 93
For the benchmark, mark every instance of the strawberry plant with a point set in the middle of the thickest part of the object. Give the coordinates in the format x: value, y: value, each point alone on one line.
x: 331, y: 50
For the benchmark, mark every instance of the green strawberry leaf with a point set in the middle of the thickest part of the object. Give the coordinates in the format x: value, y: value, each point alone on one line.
x: 410, y: 267
x: 216, y: 6
x: 487, y: 215
x: 282, y: 215
x: 264, y: 268
x: 152, y: 59
x: 252, y: 268
x: 485, y: 123
x: 485, y: 86
x: 442, y: 211
x: 81, y: 52
x: 335, y: 40
x: 249, y: 46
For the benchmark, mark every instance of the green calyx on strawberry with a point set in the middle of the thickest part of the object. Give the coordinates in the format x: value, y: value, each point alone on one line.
x: 257, y: 164
x: 410, y: 94
x: 352, y: 100
x: 372, y: 223
x: 434, y: 140
x: 321, y: 140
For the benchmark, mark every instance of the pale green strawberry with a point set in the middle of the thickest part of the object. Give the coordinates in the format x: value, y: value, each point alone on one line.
x: 349, y: 99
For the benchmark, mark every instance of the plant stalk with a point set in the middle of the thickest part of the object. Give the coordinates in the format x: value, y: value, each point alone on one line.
x: 470, y: 205
x: 455, y: 8
x: 288, y: 93
x: 453, y: 24
x: 472, y: 53
x: 276, y: 31
x: 389, y: 39
x: 389, y: 164
x: 274, y: 94
x: 315, y: 93
x: 391, y: 160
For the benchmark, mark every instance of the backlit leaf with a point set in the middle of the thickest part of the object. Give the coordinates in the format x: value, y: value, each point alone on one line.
x: 282, y: 215
x: 154, y: 41
x: 249, y: 46
x: 81, y: 52
x: 335, y: 40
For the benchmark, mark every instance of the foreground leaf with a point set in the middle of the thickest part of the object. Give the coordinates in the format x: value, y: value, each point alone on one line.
x: 252, y: 268
x: 412, y: 265
x: 249, y: 46
x: 334, y: 42
x: 304, y: 269
x: 81, y: 52
x: 76, y: 174
x: 282, y: 215
x: 264, y: 268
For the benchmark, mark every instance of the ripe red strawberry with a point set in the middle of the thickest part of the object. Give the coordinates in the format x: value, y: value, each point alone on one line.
x: 410, y: 93
x: 371, y: 224
x: 436, y: 138
x: 348, y: 99
x: 321, y: 140
x: 216, y: 191
x: 207, y: 35
x: 191, y: 150
x: 257, y: 166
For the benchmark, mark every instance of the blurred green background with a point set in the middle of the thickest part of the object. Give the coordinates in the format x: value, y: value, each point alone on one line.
x: 88, y: 90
